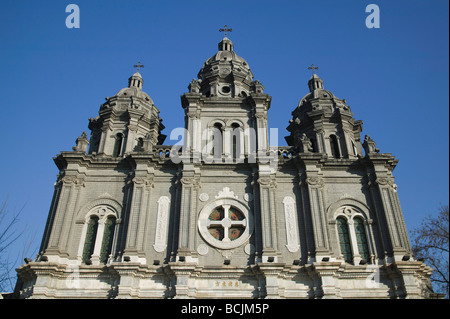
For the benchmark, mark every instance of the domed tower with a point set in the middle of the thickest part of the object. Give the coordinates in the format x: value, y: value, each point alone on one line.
x: 125, y: 121
x: 323, y: 123
x: 225, y: 100
x: 226, y: 144
x: 225, y: 74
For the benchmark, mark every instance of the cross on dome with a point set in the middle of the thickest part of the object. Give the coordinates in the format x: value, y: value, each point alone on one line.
x: 313, y: 68
x: 138, y: 66
x: 225, y: 29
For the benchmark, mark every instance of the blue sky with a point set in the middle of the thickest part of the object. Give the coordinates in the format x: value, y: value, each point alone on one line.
x: 53, y: 79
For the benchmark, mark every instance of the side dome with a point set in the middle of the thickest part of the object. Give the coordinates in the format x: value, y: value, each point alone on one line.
x: 318, y: 93
x: 131, y: 97
x: 225, y: 74
x: 134, y: 89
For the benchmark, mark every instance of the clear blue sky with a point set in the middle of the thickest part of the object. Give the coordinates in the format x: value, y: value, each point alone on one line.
x: 52, y: 79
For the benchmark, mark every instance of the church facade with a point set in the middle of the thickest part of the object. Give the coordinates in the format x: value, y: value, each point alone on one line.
x: 223, y: 214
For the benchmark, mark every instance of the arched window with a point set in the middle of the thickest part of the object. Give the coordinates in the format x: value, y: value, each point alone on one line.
x: 361, y: 238
x: 91, y: 235
x: 353, y: 235
x: 334, y: 146
x: 236, y: 141
x: 140, y: 144
x: 108, y: 236
x: 118, y: 145
x: 98, y: 235
x: 314, y: 145
x: 344, y: 239
x: 355, y: 151
x: 216, y: 140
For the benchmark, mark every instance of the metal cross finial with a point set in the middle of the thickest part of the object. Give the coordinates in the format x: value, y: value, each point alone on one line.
x: 138, y: 66
x: 225, y: 29
x: 313, y: 68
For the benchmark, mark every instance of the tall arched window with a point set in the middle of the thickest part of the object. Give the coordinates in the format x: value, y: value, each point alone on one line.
x: 355, y: 151
x: 98, y: 235
x: 140, y: 144
x: 91, y: 235
x: 361, y: 238
x: 118, y: 145
x: 108, y: 236
x: 315, y: 149
x: 344, y: 239
x: 216, y: 140
x: 236, y: 141
x: 353, y: 234
x: 334, y: 146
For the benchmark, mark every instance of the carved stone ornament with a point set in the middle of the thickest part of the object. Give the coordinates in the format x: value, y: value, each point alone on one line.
x: 194, y: 115
x: 261, y: 116
x: 142, y: 181
x: 203, y: 197
x: 190, y: 181
x: 315, y: 181
x: 384, y: 181
x: 132, y: 128
x: 161, y: 224
x: 226, y: 193
x: 291, y: 222
x: 194, y: 86
x: 81, y: 143
x: 306, y: 143
x: 202, y: 249
x: 267, y: 181
x: 77, y: 181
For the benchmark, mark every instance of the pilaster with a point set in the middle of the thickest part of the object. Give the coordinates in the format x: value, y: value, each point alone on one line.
x: 384, y: 190
x: 269, y: 228
x: 70, y: 187
x: 137, y: 227
x: 190, y: 182
x: 326, y: 272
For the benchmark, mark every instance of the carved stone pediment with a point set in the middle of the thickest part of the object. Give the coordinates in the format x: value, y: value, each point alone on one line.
x: 226, y: 193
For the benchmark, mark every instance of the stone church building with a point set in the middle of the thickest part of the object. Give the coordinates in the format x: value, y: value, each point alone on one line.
x: 222, y: 214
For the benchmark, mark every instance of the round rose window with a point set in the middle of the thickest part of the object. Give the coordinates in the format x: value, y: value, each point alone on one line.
x: 225, y: 223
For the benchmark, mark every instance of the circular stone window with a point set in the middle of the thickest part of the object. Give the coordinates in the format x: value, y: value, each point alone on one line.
x: 225, y: 223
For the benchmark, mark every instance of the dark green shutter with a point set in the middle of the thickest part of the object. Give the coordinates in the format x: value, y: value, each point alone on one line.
x: 344, y: 239
x: 91, y: 235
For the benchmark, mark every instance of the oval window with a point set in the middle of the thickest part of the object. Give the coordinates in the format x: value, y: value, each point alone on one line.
x: 226, y: 89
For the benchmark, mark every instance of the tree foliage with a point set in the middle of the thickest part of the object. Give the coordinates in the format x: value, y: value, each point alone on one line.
x: 430, y: 241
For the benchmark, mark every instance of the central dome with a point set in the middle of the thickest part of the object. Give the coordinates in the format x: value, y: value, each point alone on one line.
x: 225, y: 74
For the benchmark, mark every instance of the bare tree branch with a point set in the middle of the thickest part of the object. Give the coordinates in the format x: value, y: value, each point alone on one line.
x: 431, y: 241
x: 8, y: 235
